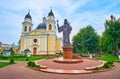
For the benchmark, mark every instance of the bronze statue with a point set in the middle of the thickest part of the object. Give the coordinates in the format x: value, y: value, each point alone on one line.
x: 66, y: 28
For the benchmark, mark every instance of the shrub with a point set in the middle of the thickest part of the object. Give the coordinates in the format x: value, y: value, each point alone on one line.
x: 12, y: 60
x: 27, y: 59
x: 31, y: 64
x: 96, y: 68
x: 108, y: 64
x: 60, y: 54
x: 4, y: 57
x: 38, y: 66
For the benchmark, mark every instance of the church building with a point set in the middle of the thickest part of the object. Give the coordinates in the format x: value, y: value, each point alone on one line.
x: 43, y: 40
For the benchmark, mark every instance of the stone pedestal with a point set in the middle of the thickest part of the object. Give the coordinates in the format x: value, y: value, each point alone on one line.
x: 67, y: 52
x: 68, y: 56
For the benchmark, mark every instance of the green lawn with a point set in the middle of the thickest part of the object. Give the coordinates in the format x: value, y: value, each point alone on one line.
x: 110, y: 58
x: 2, y: 64
x: 23, y: 58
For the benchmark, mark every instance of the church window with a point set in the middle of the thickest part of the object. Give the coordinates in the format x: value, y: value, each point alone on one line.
x: 50, y: 27
x: 25, y: 28
x: 29, y: 28
x: 35, y: 40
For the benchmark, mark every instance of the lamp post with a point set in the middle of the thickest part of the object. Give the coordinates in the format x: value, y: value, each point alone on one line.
x: 47, y: 44
x: 26, y: 51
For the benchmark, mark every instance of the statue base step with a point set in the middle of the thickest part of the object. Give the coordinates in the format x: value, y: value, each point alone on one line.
x: 63, y: 60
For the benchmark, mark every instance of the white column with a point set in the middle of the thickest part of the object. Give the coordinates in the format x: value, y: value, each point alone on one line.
x: 30, y: 40
x: 31, y: 43
x: 24, y: 43
x: 27, y: 28
x: 39, y: 43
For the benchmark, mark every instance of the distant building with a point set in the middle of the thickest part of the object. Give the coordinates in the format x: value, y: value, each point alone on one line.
x: 6, y: 52
x: 4, y: 47
x: 42, y: 40
x: 7, y: 47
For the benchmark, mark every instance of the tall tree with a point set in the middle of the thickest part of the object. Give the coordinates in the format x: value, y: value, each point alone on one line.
x: 110, y: 40
x: 86, y: 40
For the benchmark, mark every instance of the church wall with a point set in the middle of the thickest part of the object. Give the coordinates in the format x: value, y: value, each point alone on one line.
x: 51, y: 44
x: 22, y: 44
x: 28, y: 42
x: 42, y: 43
x: 57, y: 46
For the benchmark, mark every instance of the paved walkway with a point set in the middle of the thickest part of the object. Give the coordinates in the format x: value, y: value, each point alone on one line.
x: 19, y: 71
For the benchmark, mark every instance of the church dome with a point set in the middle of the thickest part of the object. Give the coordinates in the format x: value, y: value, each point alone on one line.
x: 41, y: 26
x: 51, y: 13
x: 28, y: 16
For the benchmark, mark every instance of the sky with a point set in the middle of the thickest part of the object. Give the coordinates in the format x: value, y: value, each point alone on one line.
x: 80, y: 13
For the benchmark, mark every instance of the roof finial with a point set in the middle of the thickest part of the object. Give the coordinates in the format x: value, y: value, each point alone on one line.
x: 28, y: 10
x: 51, y: 8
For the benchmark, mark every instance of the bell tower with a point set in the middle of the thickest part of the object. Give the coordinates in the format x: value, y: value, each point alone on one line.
x: 27, y: 24
x: 51, y: 22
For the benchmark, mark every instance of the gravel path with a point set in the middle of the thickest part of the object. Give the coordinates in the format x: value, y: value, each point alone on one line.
x: 20, y: 71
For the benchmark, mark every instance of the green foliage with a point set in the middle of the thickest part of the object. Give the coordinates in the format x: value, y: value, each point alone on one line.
x: 38, y: 66
x: 12, y: 60
x: 31, y: 64
x: 12, y: 52
x: 109, y: 58
x: 110, y: 40
x: 12, y: 56
x: 3, y: 64
x: 96, y: 68
x: 86, y: 40
x: 4, y: 57
x: 27, y: 59
x: 110, y: 62
x: 60, y: 54
x: 23, y: 58
x: 108, y: 65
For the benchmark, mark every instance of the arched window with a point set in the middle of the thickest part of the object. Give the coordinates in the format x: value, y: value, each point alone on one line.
x: 50, y: 27
x: 29, y: 29
x: 25, y: 29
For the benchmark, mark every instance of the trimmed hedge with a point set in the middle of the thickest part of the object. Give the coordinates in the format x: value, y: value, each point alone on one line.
x: 108, y: 65
x: 32, y: 64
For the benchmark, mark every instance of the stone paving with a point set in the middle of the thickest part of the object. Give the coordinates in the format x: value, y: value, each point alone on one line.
x: 70, y: 68
x: 20, y: 71
x: 75, y: 66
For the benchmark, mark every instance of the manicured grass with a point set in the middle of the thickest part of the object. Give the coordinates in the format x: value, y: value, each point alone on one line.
x: 109, y: 58
x: 3, y: 64
x: 23, y: 58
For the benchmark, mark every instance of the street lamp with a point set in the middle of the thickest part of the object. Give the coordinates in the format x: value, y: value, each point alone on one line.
x: 26, y: 51
x: 47, y: 44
